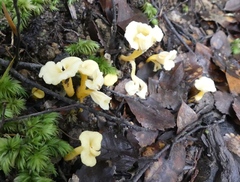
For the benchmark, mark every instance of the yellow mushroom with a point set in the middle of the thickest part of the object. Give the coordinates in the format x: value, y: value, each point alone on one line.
x: 89, y: 149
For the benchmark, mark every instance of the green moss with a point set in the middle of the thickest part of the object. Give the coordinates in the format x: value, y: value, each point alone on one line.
x: 82, y: 47
x: 235, y: 46
x: 29, y: 145
x: 104, y: 65
x: 27, y: 9
x: 151, y: 12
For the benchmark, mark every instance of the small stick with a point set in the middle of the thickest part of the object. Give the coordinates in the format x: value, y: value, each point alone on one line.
x: 176, y: 33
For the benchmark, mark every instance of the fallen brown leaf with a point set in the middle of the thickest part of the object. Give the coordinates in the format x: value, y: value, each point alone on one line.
x: 185, y: 117
x: 223, y: 102
x: 151, y: 116
x: 167, y: 169
x: 145, y: 138
x: 232, y: 5
x: 234, y: 84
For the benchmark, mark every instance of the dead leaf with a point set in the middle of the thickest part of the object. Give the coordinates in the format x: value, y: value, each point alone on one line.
x: 170, y: 89
x: 233, y: 143
x: 234, y: 84
x: 145, y: 138
x: 204, y: 54
x: 185, y: 116
x: 236, y: 107
x: 220, y: 42
x: 151, y: 116
x: 125, y: 14
x: 223, y: 102
x: 170, y: 80
x: 167, y: 169
x: 192, y: 69
x: 222, y: 54
x: 232, y: 5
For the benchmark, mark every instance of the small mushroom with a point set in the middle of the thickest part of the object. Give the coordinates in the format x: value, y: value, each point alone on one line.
x: 163, y: 58
x: 141, y: 37
x: 89, y: 149
x: 37, y: 93
x: 204, y: 84
x: 63, y: 71
x: 136, y: 85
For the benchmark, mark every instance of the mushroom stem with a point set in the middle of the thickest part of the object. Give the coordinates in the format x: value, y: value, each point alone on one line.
x: 82, y: 92
x: 68, y: 87
x: 134, y: 55
x: 143, y: 87
x: 199, y: 95
x: 152, y: 58
x: 77, y: 151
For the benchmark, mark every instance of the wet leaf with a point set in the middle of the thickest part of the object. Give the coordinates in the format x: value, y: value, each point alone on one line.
x: 185, y: 116
x: 145, y: 138
x: 221, y: 55
x: 167, y: 169
x: 223, y: 102
x: 232, y: 5
x: 150, y: 115
x: 236, y: 106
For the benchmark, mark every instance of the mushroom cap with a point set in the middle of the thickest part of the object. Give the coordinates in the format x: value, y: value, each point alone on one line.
x: 142, y: 36
x: 110, y: 79
x: 53, y: 73
x: 166, y: 59
x: 205, y: 84
x: 91, y: 144
x: 101, y: 99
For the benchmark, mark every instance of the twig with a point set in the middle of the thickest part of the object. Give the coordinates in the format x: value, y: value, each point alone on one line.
x: 176, y: 33
x: 22, y: 64
x: 65, y: 108
x: 18, y: 38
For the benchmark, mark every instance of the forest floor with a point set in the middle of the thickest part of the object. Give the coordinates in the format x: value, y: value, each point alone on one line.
x: 165, y: 137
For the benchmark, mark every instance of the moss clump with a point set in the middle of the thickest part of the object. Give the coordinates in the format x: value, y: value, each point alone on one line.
x: 151, y: 12
x: 235, y: 46
x: 27, y: 8
x: 27, y: 146
x: 83, y: 47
